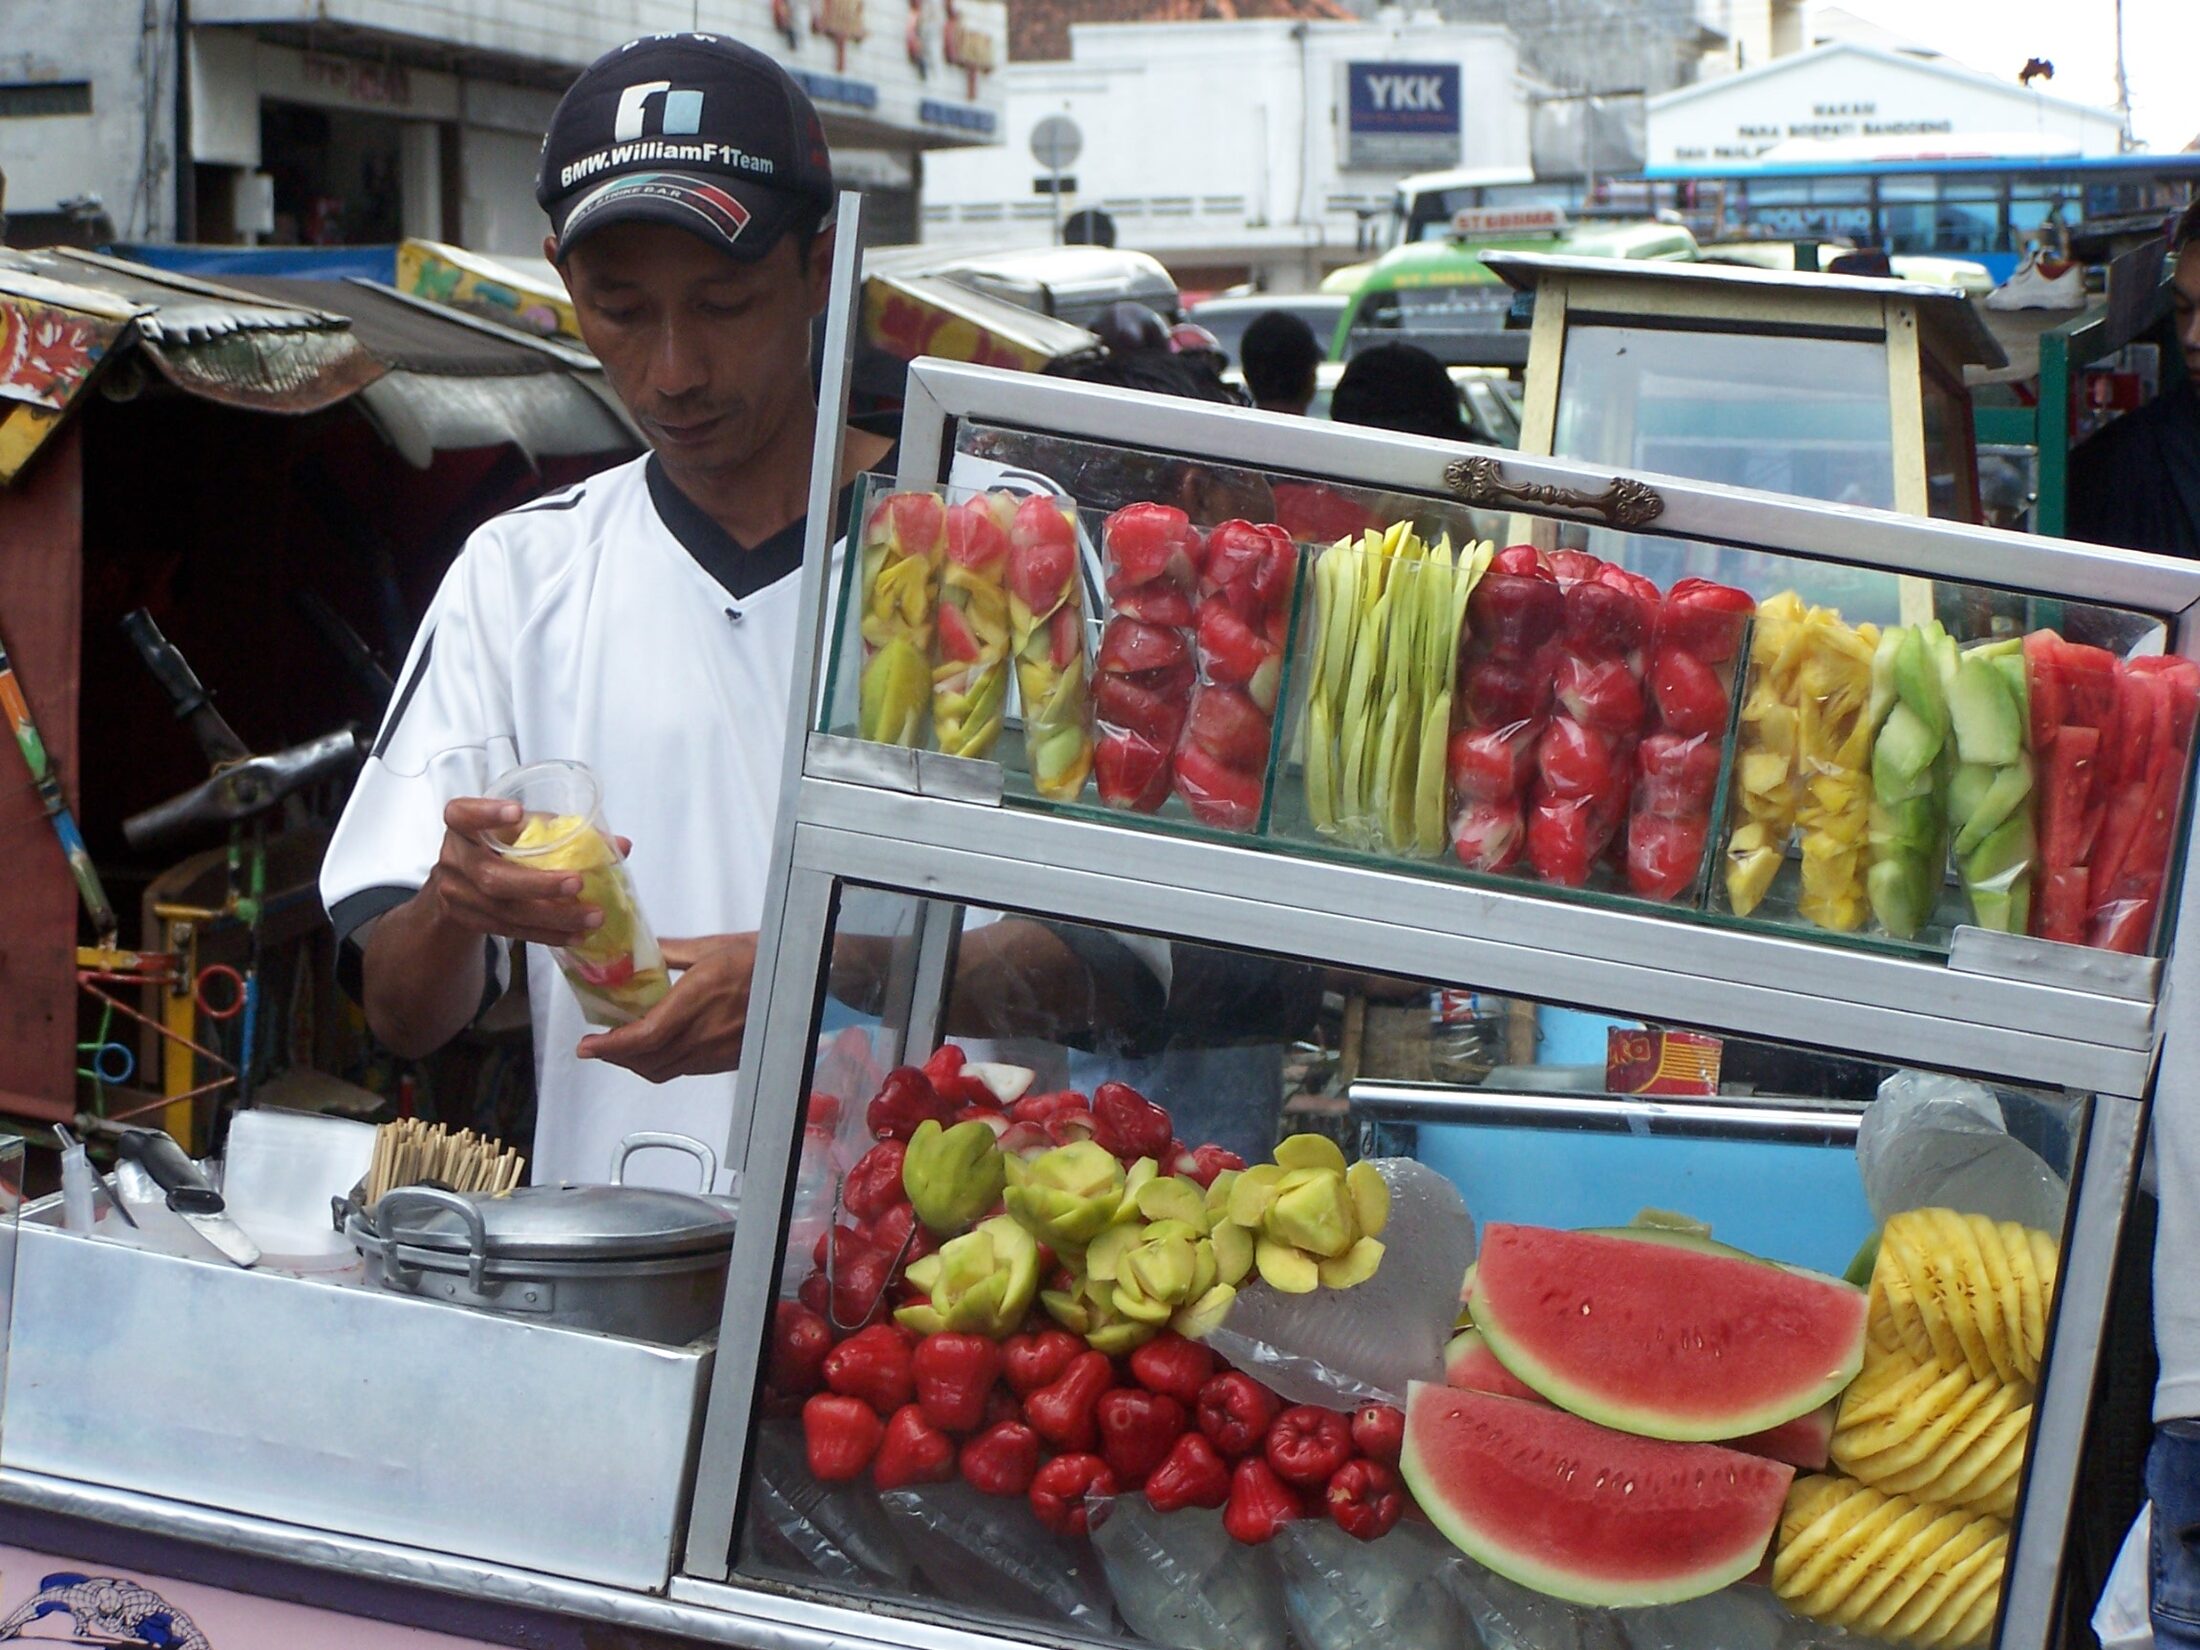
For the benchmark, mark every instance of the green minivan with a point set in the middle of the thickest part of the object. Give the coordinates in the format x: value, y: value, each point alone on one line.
x: 1441, y: 296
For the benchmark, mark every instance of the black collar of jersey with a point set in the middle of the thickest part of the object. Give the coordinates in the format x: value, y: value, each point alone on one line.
x: 741, y: 569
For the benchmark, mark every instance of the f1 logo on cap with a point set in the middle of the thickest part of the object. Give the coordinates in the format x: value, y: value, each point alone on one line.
x: 682, y: 113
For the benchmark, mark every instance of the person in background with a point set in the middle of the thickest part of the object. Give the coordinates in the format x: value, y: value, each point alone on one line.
x: 1201, y: 353
x: 1400, y: 387
x: 1279, y: 355
x: 2137, y: 483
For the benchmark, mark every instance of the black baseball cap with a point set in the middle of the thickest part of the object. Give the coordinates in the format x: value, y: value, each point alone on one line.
x: 693, y: 130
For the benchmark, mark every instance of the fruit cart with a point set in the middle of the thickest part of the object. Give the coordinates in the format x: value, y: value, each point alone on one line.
x: 1041, y: 1326
x: 1016, y: 1348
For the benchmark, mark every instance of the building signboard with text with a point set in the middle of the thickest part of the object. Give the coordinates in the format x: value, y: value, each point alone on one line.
x: 1401, y: 117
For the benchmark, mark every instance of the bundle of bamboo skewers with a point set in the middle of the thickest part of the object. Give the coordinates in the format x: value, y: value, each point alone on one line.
x: 409, y: 1152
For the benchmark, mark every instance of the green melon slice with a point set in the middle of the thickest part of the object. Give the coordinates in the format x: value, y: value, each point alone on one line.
x: 1666, y: 1339
x: 1806, y: 1441
x: 1581, y: 1512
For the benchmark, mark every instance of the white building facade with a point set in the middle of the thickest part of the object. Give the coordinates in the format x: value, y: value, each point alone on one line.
x: 1242, y: 150
x: 1844, y: 100
x: 354, y: 121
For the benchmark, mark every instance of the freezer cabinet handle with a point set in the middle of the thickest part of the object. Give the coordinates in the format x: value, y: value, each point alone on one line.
x: 1623, y: 503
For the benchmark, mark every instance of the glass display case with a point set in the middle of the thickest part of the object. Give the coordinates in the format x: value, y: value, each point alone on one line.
x: 1088, y: 1290
x: 1833, y: 387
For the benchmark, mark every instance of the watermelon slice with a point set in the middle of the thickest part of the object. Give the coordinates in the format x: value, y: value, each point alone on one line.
x: 1470, y: 1365
x: 1806, y: 1441
x: 1581, y: 1512
x: 1664, y: 1339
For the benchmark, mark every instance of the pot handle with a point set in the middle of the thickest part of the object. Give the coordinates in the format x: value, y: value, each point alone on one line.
x: 477, y: 1239
x: 706, y: 1160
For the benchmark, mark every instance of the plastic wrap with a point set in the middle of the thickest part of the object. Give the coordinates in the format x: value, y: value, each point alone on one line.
x: 837, y: 1531
x: 1507, y: 1616
x: 1691, y: 686
x: 1802, y: 765
x: 1339, y: 1347
x: 904, y: 542
x: 1046, y: 617
x: 1990, y: 787
x: 1389, y: 611
x: 616, y: 972
x: 1504, y: 704
x: 1178, y: 1578
x: 1906, y: 844
x: 1343, y: 1594
x: 1931, y: 1141
x: 990, y: 1555
x: 2112, y: 740
x: 1142, y: 682
x: 970, y: 639
x: 1247, y: 575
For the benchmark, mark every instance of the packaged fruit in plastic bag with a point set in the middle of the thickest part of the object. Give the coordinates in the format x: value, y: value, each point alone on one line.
x: 1143, y: 677
x: 904, y: 541
x: 1389, y: 614
x: 1046, y: 616
x: 970, y: 644
x: 1247, y: 576
x: 1552, y: 706
x: 1676, y: 779
x: 1803, y: 764
x: 616, y: 971
x: 2112, y: 739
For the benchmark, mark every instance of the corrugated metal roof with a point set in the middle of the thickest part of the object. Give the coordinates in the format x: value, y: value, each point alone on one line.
x: 297, y: 346
x: 217, y: 342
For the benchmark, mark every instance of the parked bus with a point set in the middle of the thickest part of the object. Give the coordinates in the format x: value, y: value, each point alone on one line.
x: 1984, y: 208
x: 1974, y: 206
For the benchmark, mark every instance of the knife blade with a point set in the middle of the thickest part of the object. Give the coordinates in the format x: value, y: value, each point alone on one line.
x: 189, y: 1194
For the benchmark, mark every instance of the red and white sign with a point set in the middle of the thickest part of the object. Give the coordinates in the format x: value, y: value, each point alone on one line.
x: 1483, y: 223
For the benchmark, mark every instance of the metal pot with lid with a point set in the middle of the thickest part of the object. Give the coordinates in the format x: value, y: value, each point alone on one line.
x: 623, y: 1260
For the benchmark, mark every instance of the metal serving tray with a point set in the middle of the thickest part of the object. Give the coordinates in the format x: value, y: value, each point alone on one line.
x: 320, y: 1402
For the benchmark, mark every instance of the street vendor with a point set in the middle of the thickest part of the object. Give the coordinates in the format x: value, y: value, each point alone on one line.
x: 641, y: 622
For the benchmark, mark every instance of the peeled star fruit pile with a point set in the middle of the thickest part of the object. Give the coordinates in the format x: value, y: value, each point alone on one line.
x: 1803, y: 766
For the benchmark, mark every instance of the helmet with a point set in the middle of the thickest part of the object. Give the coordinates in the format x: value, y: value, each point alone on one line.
x: 1190, y: 338
x: 1128, y: 328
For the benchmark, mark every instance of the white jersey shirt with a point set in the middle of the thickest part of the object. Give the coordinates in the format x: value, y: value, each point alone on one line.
x: 613, y: 624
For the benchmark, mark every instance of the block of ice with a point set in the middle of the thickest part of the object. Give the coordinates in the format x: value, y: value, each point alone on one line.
x: 1507, y: 1616
x: 1343, y: 1594
x: 834, y: 1530
x: 1735, y: 1618
x: 1179, y: 1579
x: 1931, y: 1141
x: 988, y: 1555
x: 1339, y: 1347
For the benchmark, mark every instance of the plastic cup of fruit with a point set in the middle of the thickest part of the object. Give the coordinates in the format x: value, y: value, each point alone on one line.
x: 616, y: 972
